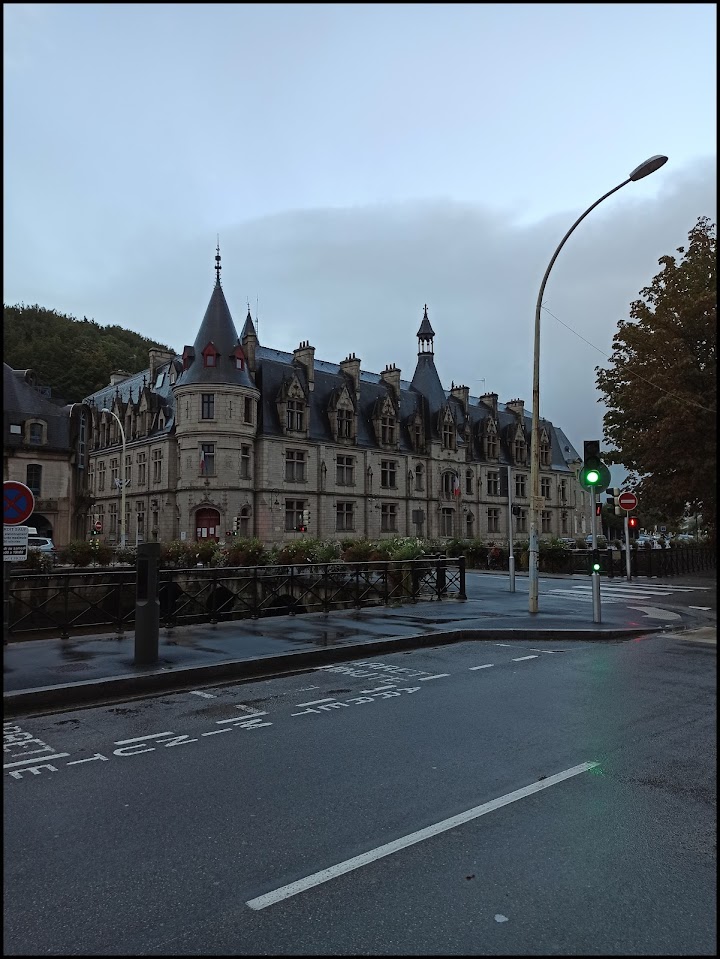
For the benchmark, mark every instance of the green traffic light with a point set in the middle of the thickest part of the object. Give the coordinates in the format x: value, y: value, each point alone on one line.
x: 592, y: 477
x: 596, y: 567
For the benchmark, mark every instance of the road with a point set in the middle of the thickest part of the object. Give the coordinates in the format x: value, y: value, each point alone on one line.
x: 548, y: 798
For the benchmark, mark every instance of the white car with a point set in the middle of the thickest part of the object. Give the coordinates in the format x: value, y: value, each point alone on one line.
x: 648, y: 541
x: 44, y: 544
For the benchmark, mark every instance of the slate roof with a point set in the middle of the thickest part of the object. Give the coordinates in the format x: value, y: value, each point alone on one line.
x: 22, y: 401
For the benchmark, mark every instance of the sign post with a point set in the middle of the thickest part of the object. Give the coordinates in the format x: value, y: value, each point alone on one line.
x: 18, y: 506
x: 627, y: 501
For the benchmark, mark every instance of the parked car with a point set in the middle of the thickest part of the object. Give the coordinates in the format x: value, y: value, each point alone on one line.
x: 600, y: 539
x: 648, y: 542
x: 44, y: 544
x: 568, y: 542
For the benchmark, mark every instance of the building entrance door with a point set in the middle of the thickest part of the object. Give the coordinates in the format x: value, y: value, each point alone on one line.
x: 207, y: 524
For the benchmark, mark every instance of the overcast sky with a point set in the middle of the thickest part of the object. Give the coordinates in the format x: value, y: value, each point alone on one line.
x: 359, y: 161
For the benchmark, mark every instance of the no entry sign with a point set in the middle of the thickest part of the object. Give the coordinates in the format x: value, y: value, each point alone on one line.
x: 627, y: 501
x: 18, y: 503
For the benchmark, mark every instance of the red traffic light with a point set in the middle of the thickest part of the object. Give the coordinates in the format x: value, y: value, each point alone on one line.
x: 598, y: 509
x: 632, y: 522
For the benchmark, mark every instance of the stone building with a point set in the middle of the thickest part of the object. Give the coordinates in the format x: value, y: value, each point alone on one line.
x: 44, y: 447
x: 232, y: 436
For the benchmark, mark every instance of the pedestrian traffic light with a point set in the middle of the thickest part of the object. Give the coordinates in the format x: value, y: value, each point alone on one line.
x: 595, y: 562
x: 598, y: 509
x: 632, y: 522
x: 612, y: 500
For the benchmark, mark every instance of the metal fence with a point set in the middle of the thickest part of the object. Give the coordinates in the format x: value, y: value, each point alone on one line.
x: 81, y: 601
x: 643, y: 562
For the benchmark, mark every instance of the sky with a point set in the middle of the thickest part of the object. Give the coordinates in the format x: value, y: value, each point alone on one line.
x: 358, y: 161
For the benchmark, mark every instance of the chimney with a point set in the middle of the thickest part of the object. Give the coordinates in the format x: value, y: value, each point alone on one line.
x: 158, y: 358
x: 391, y: 376
x: 461, y: 393
x: 350, y: 366
x: 119, y: 376
x: 490, y: 400
x: 517, y: 407
x: 305, y: 354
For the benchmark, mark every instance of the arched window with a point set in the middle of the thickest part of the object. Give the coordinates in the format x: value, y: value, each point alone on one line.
x: 468, y: 482
x: 419, y: 477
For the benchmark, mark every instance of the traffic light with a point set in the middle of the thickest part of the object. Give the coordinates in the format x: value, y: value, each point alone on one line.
x: 595, y: 561
x: 594, y: 474
x: 613, y: 500
x: 236, y: 524
x: 598, y: 509
x: 632, y: 522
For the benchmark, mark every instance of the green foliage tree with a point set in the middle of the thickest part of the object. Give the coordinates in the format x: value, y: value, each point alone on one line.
x: 73, y: 357
x: 661, y: 390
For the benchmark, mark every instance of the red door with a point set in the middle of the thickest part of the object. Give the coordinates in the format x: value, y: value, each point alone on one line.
x: 207, y: 525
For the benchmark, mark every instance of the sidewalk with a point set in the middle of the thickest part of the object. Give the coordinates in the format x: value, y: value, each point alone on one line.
x: 55, y: 673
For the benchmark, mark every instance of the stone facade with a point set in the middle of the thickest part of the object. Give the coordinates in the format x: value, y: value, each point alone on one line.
x: 234, y: 436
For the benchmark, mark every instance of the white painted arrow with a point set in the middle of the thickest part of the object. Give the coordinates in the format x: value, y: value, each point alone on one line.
x: 655, y: 613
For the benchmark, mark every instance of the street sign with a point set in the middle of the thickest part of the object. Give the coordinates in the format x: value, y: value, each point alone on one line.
x: 627, y: 501
x: 18, y: 503
x: 98, y: 527
x: 15, y: 544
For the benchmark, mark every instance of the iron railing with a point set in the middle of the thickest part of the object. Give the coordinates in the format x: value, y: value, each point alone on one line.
x: 83, y: 601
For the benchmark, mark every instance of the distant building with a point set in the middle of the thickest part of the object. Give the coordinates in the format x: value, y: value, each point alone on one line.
x: 232, y: 435
x: 44, y: 447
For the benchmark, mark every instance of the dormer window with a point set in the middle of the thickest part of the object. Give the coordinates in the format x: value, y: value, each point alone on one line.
x: 187, y: 357
x: 295, y: 415
x: 447, y: 430
x: 520, y: 450
x: 345, y: 424
x: 388, y: 425
x: 544, y: 449
x: 490, y: 441
x: 36, y: 434
x: 238, y: 358
x: 210, y: 356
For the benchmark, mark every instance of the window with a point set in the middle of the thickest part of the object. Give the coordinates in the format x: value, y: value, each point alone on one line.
x: 244, y: 462
x: 81, y: 442
x: 449, y: 482
x: 545, y: 488
x: 469, y: 520
x: 91, y: 479
x: 101, y: 476
x: 295, y: 461
x: 522, y: 525
x: 491, y: 446
x: 546, y: 521
x: 128, y: 470
x: 245, y: 521
x: 140, y: 522
x: 293, y: 513
x: 209, y: 359
x: 248, y: 411
x: 468, y: 482
x: 36, y: 433
x: 345, y: 424
x: 346, y: 470
x: 208, y: 406
x: 344, y: 517
x: 493, y: 516
x: 446, y: 521
x: 114, y: 473
x: 563, y: 491
x: 142, y: 469
x: 207, y: 459
x: 520, y: 485
x: 493, y: 484
x: 419, y: 477
x: 157, y: 466
x: 448, y: 434
x: 544, y: 454
x: 33, y: 478
x: 388, y: 518
x: 113, y: 510
x: 520, y: 449
x: 564, y: 521
x: 296, y: 415
x: 388, y: 474
x: 387, y: 430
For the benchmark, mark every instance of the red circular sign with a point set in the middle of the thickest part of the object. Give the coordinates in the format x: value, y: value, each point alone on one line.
x: 628, y: 501
x: 98, y: 527
x: 18, y: 503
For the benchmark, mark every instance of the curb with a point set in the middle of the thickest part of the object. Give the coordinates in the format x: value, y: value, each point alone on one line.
x: 94, y: 692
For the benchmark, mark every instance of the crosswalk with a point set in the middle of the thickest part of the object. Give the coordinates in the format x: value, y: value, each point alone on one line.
x: 624, y: 592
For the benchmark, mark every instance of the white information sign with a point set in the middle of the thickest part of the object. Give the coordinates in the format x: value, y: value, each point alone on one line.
x: 15, y: 544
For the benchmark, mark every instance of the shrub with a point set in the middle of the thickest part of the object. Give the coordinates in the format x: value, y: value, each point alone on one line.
x: 79, y: 552
x: 126, y: 554
x: 243, y: 551
x: 356, y: 550
x: 37, y: 562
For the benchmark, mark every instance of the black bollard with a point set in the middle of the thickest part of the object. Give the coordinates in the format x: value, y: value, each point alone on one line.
x: 147, y: 605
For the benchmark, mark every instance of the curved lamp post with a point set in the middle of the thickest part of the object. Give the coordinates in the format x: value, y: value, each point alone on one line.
x: 536, y: 503
x: 122, y: 476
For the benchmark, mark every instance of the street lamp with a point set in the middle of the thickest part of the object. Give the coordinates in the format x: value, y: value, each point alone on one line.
x: 122, y: 477
x: 536, y: 503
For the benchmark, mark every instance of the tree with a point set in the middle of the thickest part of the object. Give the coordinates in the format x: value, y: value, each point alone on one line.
x: 660, y: 390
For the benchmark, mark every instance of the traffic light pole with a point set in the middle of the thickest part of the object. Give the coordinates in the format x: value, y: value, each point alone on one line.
x: 595, y: 576
x: 511, y: 553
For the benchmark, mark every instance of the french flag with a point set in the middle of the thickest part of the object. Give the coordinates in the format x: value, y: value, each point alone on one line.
x: 202, y: 461
x: 456, y: 485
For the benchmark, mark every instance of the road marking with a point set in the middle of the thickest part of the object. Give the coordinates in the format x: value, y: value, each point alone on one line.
x: 314, y: 702
x: 35, y: 760
x: 142, y: 739
x: 214, y: 732
x: 249, y: 709
x: 654, y: 612
x: 699, y: 607
x: 503, y: 644
x: 198, y: 692
x: 550, y: 652
x: 306, y: 688
x: 357, y: 862
x: 519, y: 659
x: 424, y: 679
x: 486, y: 666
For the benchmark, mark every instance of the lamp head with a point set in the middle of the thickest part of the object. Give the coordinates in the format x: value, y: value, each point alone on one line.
x: 648, y: 167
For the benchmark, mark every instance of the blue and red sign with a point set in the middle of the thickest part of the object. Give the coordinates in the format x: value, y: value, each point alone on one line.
x: 18, y: 503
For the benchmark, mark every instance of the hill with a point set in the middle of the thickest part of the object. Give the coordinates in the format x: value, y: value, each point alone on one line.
x: 74, y: 357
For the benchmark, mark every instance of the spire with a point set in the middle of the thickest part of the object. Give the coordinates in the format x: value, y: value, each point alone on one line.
x: 217, y: 261
x: 425, y: 334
